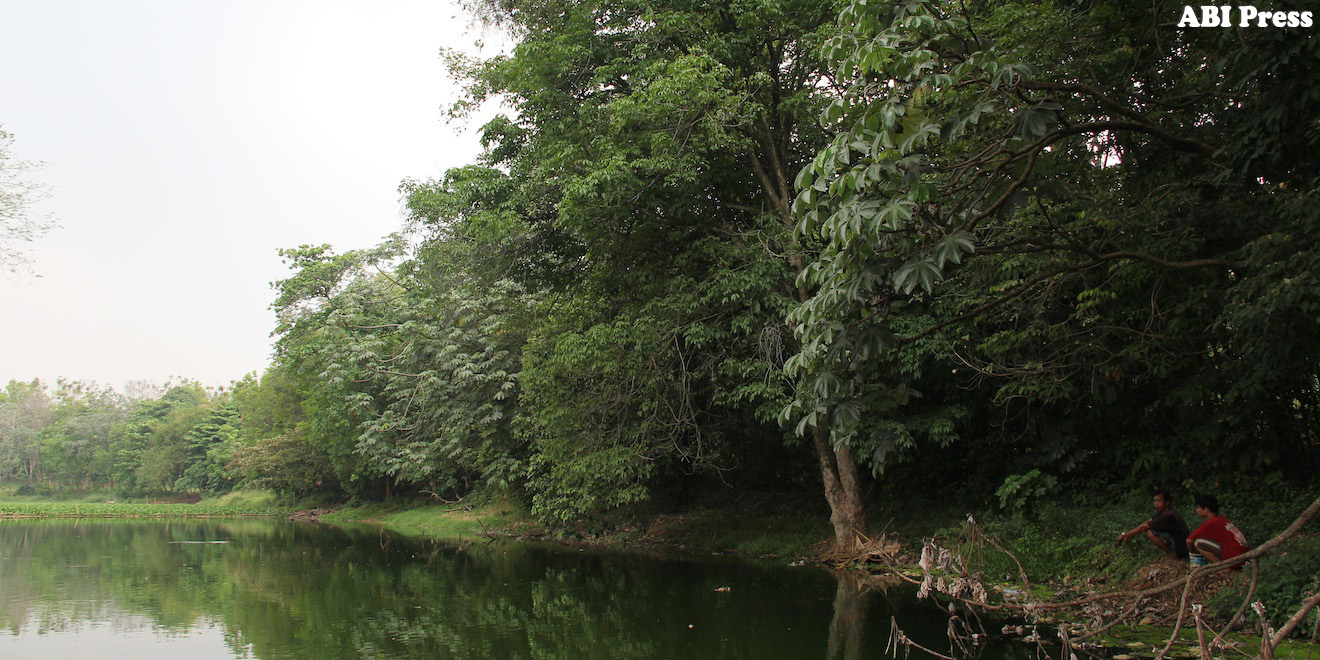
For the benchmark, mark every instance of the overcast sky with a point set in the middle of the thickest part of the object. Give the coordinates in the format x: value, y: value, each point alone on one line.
x: 184, y: 143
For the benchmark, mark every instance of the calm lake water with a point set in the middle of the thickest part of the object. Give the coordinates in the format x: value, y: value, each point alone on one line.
x: 229, y: 589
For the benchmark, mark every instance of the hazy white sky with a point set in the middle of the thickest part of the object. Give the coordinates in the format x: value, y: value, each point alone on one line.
x: 184, y: 143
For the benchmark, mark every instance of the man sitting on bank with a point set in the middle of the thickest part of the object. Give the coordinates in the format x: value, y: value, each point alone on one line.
x: 1167, y: 529
x: 1216, y: 539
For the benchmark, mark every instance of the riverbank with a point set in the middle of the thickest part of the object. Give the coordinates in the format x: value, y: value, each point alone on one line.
x: 753, y: 534
x: 1061, y: 553
x: 1055, y: 553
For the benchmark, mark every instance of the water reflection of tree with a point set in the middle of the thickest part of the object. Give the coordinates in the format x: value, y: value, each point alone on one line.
x: 57, y: 573
x: 852, y: 599
x: 303, y: 592
x: 866, y: 607
x: 289, y: 591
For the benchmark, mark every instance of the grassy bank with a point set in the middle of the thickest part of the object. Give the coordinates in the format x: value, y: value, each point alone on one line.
x: 1066, y: 544
x: 739, y: 531
x: 239, y: 503
x: 438, y: 521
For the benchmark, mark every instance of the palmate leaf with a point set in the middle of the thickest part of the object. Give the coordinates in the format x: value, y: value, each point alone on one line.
x: 895, y: 215
x: 953, y: 247
x: 1034, y: 121
x: 913, y: 274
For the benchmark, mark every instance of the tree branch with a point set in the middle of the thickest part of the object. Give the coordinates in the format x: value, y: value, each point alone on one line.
x: 1282, y: 633
x: 780, y: 203
x: 1144, y: 123
x: 1096, y: 261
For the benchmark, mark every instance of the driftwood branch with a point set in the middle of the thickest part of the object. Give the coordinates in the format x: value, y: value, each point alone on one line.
x: 1271, y: 638
x: 1309, y: 604
x: 459, y: 504
x: 1237, y: 616
x: 1182, y: 614
x: 899, y: 641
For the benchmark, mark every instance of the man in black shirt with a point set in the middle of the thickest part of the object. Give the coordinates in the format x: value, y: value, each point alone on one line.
x: 1167, y: 529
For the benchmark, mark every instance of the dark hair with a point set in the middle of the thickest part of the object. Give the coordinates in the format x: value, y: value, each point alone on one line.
x: 1165, y: 494
x: 1209, y: 502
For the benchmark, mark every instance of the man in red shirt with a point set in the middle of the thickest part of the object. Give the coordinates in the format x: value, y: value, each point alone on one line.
x: 1216, y: 539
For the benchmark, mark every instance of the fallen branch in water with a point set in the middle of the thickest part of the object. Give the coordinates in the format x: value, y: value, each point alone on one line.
x: 897, y: 639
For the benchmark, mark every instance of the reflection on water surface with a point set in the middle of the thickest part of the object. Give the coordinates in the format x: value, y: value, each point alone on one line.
x: 275, y: 590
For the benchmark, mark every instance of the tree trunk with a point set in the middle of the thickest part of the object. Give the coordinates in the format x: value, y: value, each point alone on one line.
x: 838, y: 471
x: 32, y: 465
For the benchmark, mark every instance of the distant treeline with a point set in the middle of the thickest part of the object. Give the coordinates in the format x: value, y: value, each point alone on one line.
x: 1007, y: 248
x: 177, y: 438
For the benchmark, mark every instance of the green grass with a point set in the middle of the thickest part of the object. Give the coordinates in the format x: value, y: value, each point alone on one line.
x: 9, y: 493
x: 719, y: 529
x: 17, y: 509
x: 249, y: 499
x: 434, y: 521
x: 1146, y: 641
x: 739, y: 531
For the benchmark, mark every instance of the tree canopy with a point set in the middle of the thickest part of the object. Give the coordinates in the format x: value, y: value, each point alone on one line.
x: 1066, y: 212
x: 789, y: 245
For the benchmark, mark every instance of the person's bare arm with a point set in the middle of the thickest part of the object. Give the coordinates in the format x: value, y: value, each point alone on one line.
x: 1133, y: 533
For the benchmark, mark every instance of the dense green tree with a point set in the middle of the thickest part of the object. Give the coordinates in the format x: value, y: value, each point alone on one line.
x: 83, y: 436
x: 270, y: 451
x: 267, y: 406
x: 415, y: 367
x: 285, y: 463
x: 151, y: 446
x: 1087, y: 219
x: 449, y: 388
x: 76, y: 441
x: 318, y: 307
x: 24, y: 412
x: 209, y: 444
x: 652, y: 154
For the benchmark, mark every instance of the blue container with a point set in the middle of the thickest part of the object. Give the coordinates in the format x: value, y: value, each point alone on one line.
x: 1195, y: 559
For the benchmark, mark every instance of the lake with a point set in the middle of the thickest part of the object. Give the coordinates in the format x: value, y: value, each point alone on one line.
x: 252, y: 588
